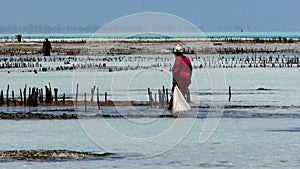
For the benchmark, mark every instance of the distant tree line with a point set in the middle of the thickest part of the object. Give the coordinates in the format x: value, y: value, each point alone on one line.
x: 8, y: 29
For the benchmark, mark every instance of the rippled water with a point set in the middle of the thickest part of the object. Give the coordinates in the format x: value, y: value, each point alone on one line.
x: 258, y: 128
x: 237, y: 143
x: 281, y: 84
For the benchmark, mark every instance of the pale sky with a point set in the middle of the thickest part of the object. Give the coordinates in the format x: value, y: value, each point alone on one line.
x: 252, y: 15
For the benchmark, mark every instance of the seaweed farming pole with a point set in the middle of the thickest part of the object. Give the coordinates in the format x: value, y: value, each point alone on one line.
x: 34, y: 97
x: 76, y: 96
x: 150, y: 96
x: 7, y: 99
x: 98, y: 101
x: 160, y: 98
x: 41, y: 95
x: 21, y: 96
x: 64, y: 98
x: 85, y: 109
x: 24, y: 93
x: 29, y: 96
x: 47, y: 93
x: 13, y: 98
x: 55, y: 94
x: 229, y: 99
x: 92, y: 92
x: 105, y: 96
x: 163, y: 96
x: 50, y: 93
x: 188, y: 96
x: 1, y: 98
x: 167, y: 96
x: 155, y: 98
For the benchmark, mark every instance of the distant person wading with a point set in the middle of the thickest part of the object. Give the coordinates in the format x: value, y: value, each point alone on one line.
x: 182, y: 72
x: 47, y: 47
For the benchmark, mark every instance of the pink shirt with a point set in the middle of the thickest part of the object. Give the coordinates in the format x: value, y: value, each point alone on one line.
x: 182, y: 71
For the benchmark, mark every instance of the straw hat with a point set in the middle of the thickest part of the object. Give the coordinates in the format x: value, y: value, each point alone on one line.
x: 178, y: 49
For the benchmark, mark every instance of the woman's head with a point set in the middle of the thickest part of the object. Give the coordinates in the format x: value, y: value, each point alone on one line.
x: 178, y: 50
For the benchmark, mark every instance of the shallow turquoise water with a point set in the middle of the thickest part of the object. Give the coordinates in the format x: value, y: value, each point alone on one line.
x: 259, y: 130
x: 237, y: 143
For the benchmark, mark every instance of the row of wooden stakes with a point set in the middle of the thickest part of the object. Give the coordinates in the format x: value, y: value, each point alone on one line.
x: 161, y: 98
x: 33, y: 97
x: 30, y: 96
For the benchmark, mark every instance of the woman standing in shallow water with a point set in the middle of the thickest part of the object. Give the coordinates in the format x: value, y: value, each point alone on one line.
x: 47, y: 47
x: 181, y: 71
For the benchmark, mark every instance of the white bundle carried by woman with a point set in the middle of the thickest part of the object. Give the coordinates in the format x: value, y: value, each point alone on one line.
x: 179, y: 102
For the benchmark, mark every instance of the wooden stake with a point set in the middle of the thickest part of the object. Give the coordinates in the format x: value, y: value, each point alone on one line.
x: 98, y: 101
x: 105, y: 96
x: 55, y: 94
x: 1, y: 98
x: 229, y: 99
x: 7, y: 99
x: 64, y: 98
x: 13, y: 98
x: 167, y: 96
x: 24, y: 93
x: 188, y: 96
x: 85, y: 102
x: 92, y: 92
x: 150, y: 97
x: 21, y: 96
x: 76, y: 96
